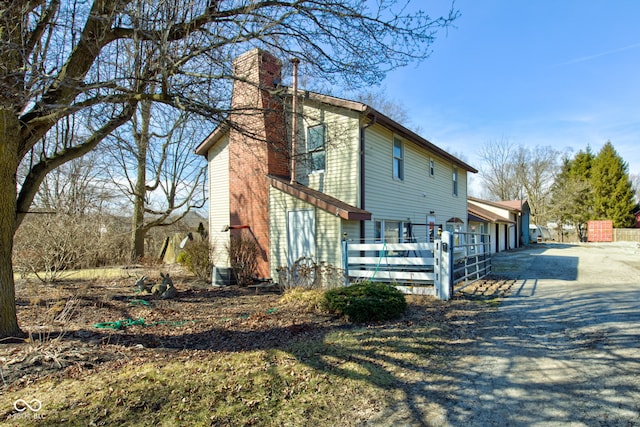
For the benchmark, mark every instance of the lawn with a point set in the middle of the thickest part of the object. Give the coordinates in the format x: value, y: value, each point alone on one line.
x: 101, y: 353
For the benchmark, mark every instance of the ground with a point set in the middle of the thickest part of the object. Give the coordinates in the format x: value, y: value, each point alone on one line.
x: 81, y: 327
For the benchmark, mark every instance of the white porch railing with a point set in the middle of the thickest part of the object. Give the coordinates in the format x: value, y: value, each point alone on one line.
x: 418, y: 268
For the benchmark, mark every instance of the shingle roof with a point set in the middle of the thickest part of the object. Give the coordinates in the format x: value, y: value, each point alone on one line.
x: 487, y: 215
x: 320, y: 200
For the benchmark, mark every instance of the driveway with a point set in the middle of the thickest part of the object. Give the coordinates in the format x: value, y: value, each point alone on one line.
x: 562, y: 350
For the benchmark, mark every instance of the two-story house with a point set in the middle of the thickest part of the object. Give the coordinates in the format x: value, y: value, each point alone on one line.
x: 357, y: 173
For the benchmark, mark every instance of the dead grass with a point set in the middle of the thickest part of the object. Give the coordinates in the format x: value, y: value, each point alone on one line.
x: 225, y: 357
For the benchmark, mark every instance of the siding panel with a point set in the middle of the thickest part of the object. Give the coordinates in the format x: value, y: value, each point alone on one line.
x: 413, y: 198
x: 218, y: 157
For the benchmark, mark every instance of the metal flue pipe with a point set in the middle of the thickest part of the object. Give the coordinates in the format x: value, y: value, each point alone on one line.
x: 294, y: 120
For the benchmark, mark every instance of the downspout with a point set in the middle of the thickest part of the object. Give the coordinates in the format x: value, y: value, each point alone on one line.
x: 362, y: 167
x: 294, y: 120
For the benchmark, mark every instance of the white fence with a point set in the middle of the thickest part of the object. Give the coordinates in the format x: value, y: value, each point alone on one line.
x: 421, y: 268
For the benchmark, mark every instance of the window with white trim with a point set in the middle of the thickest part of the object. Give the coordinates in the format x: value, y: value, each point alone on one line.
x: 432, y: 167
x: 398, y: 159
x: 316, y: 147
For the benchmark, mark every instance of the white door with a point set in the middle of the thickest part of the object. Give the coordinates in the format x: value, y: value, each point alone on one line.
x: 301, y: 226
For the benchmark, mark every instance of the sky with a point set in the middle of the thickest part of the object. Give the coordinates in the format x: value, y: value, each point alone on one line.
x: 559, y: 73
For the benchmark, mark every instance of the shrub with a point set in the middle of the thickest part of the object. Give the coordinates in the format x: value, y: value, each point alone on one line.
x: 183, y: 258
x: 307, y: 300
x: 197, y: 258
x: 50, y: 245
x: 243, y: 257
x: 366, y: 301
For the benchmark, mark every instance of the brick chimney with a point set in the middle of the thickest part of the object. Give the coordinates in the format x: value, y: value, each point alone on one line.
x: 258, y: 145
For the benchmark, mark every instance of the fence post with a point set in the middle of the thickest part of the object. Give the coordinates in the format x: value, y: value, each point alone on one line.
x: 443, y: 291
x: 345, y: 255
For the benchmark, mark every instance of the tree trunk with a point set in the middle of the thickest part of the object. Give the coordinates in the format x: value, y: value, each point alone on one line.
x: 137, y: 231
x: 9, y: 135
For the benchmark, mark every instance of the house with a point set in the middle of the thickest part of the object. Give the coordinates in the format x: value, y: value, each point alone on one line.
x: 506, y: 222
x: 357, y: 174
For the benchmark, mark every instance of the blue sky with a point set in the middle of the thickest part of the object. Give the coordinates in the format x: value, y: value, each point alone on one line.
x: 563, y: 73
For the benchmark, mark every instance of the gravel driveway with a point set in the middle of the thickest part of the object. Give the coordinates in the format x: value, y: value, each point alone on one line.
x: 562, y: 350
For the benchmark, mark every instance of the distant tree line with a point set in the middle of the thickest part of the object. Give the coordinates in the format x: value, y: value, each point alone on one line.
x: 594, y: 187
x: 567, y: 190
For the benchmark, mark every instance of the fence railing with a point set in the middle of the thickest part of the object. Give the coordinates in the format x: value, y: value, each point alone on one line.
x: 421, y: 268
x: 406, y: 263
x: 474, y: 263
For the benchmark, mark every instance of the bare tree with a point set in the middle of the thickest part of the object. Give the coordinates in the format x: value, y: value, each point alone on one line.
x: 515, y: 172
x: 536, y: 169
x: 158, y: 172
x: 635, y: 183
x: 70, y: 58
x: 499, y: 170
x: 381, y: 102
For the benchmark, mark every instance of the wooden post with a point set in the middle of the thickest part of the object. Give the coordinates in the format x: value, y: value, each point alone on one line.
x: 444, y: 266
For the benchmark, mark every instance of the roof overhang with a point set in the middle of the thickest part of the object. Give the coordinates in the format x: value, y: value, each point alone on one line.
x: 211, y: 140
x: 320, y: 200
x: 476, y: 213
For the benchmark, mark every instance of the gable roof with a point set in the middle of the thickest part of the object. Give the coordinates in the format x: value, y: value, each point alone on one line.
x: 512, y: 205
x: 320, y: 200
x: 476, y: 213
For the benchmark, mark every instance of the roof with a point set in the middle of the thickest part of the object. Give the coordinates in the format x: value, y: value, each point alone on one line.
x: 211, y: 140
x: 512, y: 205
x: 480, y: 214
x: 378, y: 117
x: 374, y: 115
x: 320, y: 200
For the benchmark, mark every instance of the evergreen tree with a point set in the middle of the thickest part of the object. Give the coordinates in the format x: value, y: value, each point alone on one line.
x: 571, y: 196
x: 611, y: 187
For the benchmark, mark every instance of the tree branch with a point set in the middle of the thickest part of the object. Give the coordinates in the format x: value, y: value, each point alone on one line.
x: 37, y: 173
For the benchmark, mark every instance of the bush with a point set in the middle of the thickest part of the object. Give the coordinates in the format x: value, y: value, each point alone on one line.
x: 197, y: 258
x: 307, y: 300
x: 367, y: 301
x: 243, y: 257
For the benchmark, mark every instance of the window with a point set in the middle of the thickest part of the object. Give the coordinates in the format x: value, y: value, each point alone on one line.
x: 398, y: 159
x: 455, y: 181
x: 432, y: 167
x: 390, y: 231
x: 316, y: 150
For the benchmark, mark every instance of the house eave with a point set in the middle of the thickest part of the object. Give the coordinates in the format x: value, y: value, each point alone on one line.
x: 487, y: 215
x: 320, y: 200
x: 211, y: 140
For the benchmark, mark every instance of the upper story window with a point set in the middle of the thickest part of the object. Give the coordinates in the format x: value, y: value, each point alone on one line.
x: 316, y: 147
x: 398, y: 159
x: 432, y: 167
x: 455, y: 181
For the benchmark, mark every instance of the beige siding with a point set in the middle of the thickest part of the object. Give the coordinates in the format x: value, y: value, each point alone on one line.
x: 352, y: 229
x: 327, y: 233
x: 340, y: 178
x: 218, y: 157
x: 413, y: 198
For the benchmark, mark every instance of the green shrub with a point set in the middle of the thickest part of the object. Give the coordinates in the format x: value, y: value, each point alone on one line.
x: 183, y: 258
x: 367, y: 301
